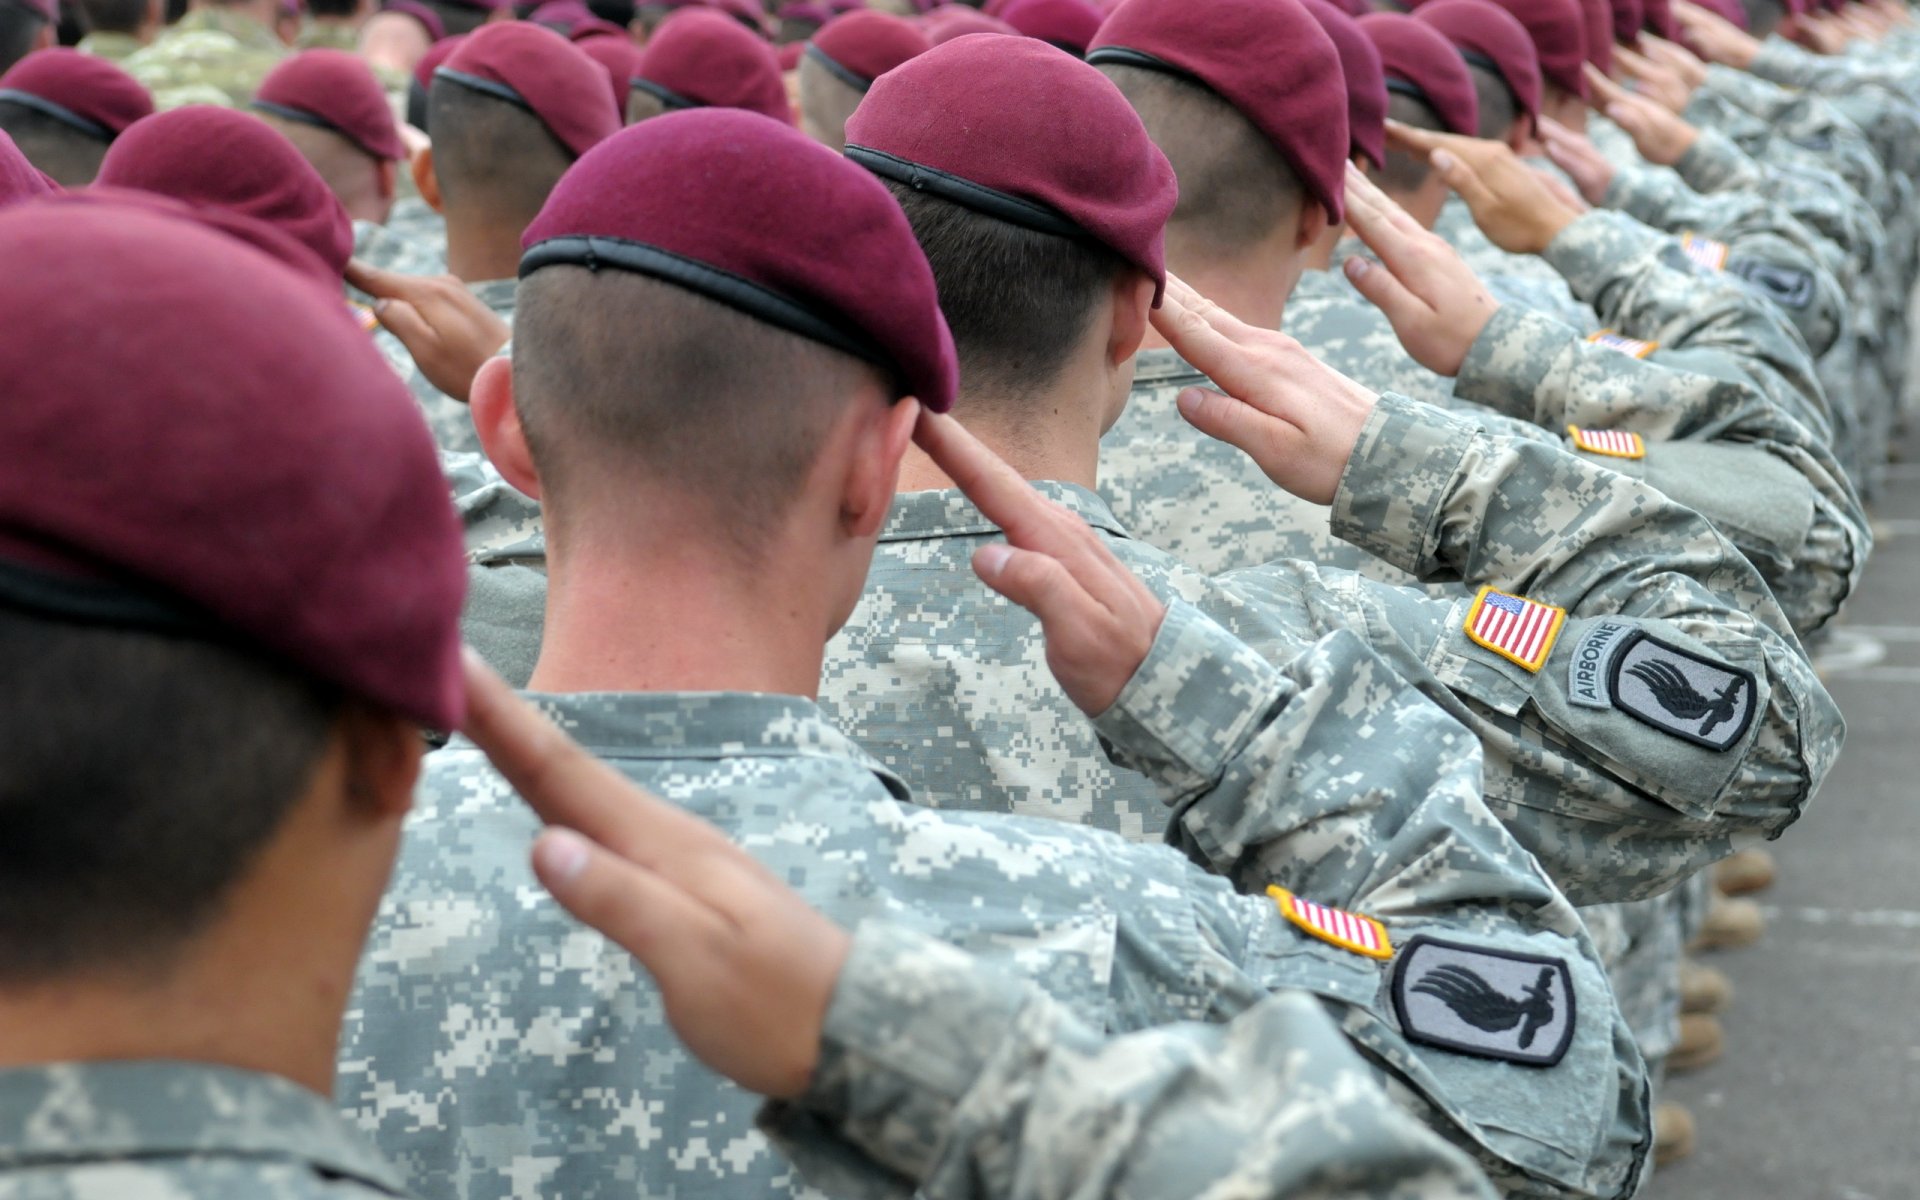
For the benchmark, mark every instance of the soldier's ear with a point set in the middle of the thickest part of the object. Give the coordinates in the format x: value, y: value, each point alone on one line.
x: 497, y: 422
x: 873, y: 470
x: 383, y: 754
x: 425, y: 180
x: 1132, y: 301
x: 386, y: 179
x: 1313, y: 223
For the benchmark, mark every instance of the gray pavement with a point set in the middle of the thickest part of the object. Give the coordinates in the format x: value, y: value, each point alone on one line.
x: 1818, y: 1097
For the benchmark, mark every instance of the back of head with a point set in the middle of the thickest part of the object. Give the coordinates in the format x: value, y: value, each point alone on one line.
x: 1501, y: 56
x: 702, y: 58
x: 69, y: 156
x: 328, y: 104
x: 842, y: 61
x: 1366, y: 83
x: 458, y: 17
x: 112, y: 16
x: 213, y: 632
x: 25, y: 26
x: 64, y: 109
x: 1558, y: 31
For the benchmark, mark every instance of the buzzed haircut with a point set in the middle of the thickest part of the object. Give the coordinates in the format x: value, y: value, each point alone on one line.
x: 825, y: 99
x: 618, y: 376
x: 1235, y: 187
x: 1499, y: 109
x: 347, y: 169
x: 1017, y: 300
x: 458, y: 18
x: 1405, y: 171
x: 490, y: 154
x: 71, y: 157
x: 112, y: 16
x: 20, y: 27
x: 142, y: 776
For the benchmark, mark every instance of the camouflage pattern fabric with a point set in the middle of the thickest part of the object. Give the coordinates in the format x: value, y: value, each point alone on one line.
x: 505, y: 610
x: 114, y: 47
x: 211, y: 56
x: 451, y: 423
x: 326, y: 35
x: 494, y: 1048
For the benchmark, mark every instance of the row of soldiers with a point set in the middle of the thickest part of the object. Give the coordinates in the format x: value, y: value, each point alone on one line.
x: 1165, y: 598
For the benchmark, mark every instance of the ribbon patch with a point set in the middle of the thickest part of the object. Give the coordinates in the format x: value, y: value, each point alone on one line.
x: 1681, y: 693
x: 1705, y: 252
x: 1612, y: 443
x: 1517, y: 1008
x: 1517, y: 629
x: 1349, y: 931
x: 1592, y: 665
x: 1631, y: 347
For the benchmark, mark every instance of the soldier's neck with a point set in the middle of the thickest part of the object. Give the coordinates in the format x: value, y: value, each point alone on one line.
x: 1054, y: 434
x: 1256, y: 294
x: 480, y: 251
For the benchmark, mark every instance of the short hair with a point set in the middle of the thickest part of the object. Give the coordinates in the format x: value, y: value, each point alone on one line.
x: 113, y: 16
x: 643, y: 105
x: 346, y: 168
x: 143, y: 774
x: 71, y: 157
x: 621, y: 375
x: 1499, y: 108
x: 20, y: 27
x: 826, y: 99
x: 1235, y: 187
x: 458, y: 18
x: 490, y: 154
x: 1405, y: 171
x: 1017, y: 300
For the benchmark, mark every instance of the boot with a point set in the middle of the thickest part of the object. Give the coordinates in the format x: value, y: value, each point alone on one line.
x: 1701, y: 1041
x: 1744, y: 872
x: 1729, y: 924
x: 1704, y: 989
x: 1673, y: 1135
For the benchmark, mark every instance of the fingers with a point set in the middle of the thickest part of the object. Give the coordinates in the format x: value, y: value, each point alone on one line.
x: 1464, y: 180
x: 1037, y: 583
x: 1225, y: 419
x: 375, y: 281
x: 1385, y: 292
x: 995, y: 488
x: 403, y: 320
x: 652, y: 919
x: 1425, y: 141
x: 1606, y: 90
x: 1209, y: 337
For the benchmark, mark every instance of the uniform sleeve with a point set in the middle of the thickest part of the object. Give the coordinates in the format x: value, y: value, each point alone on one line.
x: 941, y: 1079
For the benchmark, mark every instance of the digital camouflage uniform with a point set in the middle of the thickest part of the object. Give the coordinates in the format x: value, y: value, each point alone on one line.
x: 449, y: 419
x: 211, y: 56
x: 326, y: 35
x: 505, y: 611
x: 496, y: 1049
x: 107, y: 44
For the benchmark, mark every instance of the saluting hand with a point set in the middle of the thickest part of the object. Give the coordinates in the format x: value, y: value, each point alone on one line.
x: 1659, y: 135
x: 1676, y: 58
x: 443, y: 325
x: 1098, y: 618
x: 1296, y: 417
x: 1437, y: 305
x: 1717, y: 38
x: 745, y: 966
x: 1510, y: 202
x: 1575, y: 154
x: 1656, y: 81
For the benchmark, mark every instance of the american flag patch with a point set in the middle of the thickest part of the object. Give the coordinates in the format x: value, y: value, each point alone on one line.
x: 1705, y: 252
x: 1514, y: 627
x: 1611, y: 442
x: 363, y: 316
x: 1349, y: 931
x: 1633, y: 347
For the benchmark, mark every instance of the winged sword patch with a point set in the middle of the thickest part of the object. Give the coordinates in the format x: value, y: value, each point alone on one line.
x: 1496, y: 1004
x: 1682, y: 693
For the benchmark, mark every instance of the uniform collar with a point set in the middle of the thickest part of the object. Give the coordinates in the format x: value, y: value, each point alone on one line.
x: 1154, y: 369
x: 497, y: 294
x: 71, y: 1114
x: 924, y: 516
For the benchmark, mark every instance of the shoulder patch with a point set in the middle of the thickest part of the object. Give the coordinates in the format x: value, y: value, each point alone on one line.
x: 1631, y: 347
x: 1517, y: 1008
x: 1590, y: 672
x: 363, y: 316
x: 1705, y: 252
x: 1613, y: 443
x: 1789, y: 287
x: 1681, y: 693
x: 1516, y: 628
x: 1349, y: 931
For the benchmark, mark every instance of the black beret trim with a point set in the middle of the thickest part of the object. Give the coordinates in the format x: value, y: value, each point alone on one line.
x: 751, y: 298
x: 1126, y: 57
x: 966, y: 193
x: 1066, y: 47
x: 1412, y: 91
x: 58, y: 112
x: 1476, y: 59
x: 844, y: 74
x: 665, y: 95
x: 94, y: 603
x: 485, y: 87
x: 304, y: 117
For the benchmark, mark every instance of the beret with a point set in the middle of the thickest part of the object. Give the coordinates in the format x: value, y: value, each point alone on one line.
x: 618, y: 56
x: 860, y: 47
x: 1559, y: 34
x: 1353, y: 8
x: 758, y: 216
x: 1660, y: 19
x: 560, y: 15
x: 334, y: 90
x: 701, y: 58
x: 1366, y: 81
x: 1068, y: 24
x: 271, y: 482
x: 436, y: 54
x: 1491, y: 38
x: 1628, y: 18
x: 225, y: 158
x: 46, y: 10
x: 1027, y: 134
x: 957, y: 20
x: 748, y: 12
x: 1597, y: 17
x: 1418, y: 62
x: 20, y: 179
x: 538, y: 70
x: 429, y: 19
x: 82, y: 91
x: 818, y: 14
x: 788, y: 56
x: 1298, y: 97
x: 1732, y: 10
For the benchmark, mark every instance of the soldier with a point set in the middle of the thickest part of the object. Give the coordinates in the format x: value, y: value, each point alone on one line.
x: 842, y: 61
x: 64, y: 108
x: 1063, y: 24
x: 330, y: 107
x: 116, y: 29
x: 26, y: 26
x: 217, y: 54
x: 695, y: 685
x: 702, y: 58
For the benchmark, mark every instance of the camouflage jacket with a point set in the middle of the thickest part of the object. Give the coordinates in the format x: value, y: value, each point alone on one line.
x: 494, y: 1048
x: 505, y: 609
x: 958, y: 1084
x: 114, y: 47
x: 211, y: 56
x: 175, y: 1130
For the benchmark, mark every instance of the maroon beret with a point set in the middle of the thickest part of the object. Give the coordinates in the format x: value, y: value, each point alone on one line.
x: 224, y: 158
x: 1493, y: 39
x: 20, y: 179
x: 436, y: 54
x: 1559, y: 32
x: 1628, y: 18
x: 1353, y: 8
x: 757, y: 216
x: 749, y: 13
x: 788, y: 55
x: 1068, y: 24
x: 429, y: 19
x: 560, y: 15
x: 957, y: 20
x: 701, y: 58
x: 1732, y: 10
x: 271, y: 480
x: 1419, y: 63
x: 538, y: 70
x: 333, y: 90
x: 1025, y: 133
x: 1268, y: 58
x: 1660, y: 19
x: 1366, y: 82
x: 1597, y: 18
x: 81, y: 91
x: 618, y: 56
x: 860, y: 47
